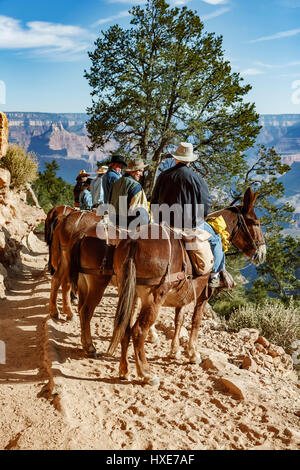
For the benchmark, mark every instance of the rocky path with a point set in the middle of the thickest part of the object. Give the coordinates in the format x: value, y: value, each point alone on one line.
x: 53, y: 397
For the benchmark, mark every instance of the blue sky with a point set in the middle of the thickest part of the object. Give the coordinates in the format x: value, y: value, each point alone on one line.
x: 44, y: 44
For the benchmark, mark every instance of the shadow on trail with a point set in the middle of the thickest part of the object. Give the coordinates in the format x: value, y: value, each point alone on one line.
x: 22, y: 320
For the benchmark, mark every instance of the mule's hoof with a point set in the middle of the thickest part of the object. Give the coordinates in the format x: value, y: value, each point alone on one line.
x: 153, y: 381
x: 92, y: 354
x: 177, y: 355
x: 54, y: 316
x: 196, y: 359
x: 123, y: 377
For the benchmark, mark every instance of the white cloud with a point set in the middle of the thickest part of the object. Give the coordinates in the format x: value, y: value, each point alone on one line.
x: 142, y: 2
x: 179, y: 2
x: 251, y: 71
x: 216, y: 13
x: 290, y: 75
x: 122, y: 14
x: 125, y: 13
x: 128, y: 2
x: 278, y: 66
x: 44, y: 37
x: 282, y: 34
x: 215, y: 2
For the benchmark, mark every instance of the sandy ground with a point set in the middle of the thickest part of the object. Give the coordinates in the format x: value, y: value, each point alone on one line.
x: 53, y: 397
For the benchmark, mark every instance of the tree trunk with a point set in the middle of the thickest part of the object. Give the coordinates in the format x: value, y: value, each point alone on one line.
x: 32, y: 196
x: 152, y: 172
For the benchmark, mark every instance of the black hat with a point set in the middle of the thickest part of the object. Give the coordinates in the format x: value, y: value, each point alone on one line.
x: 118, y: 159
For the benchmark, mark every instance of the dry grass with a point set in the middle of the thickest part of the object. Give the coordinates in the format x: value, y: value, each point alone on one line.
x: 23, y: 167
x: 280, y: 324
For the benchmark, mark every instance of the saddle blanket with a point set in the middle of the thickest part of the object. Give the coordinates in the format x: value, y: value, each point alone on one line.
x: 196, y: 242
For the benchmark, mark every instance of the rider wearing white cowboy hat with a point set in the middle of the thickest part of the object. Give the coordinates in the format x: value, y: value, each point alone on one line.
x: 183, y: 186
x: 185, y: 153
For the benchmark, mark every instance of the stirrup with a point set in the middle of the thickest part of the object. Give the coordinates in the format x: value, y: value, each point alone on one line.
x: 222, y: 280
x: 215, y: 281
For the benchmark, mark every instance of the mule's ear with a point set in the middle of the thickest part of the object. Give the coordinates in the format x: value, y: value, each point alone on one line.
x: 249, y: 200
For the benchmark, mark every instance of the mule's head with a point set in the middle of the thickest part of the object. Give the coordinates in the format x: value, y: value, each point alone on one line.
x: 248, y: 236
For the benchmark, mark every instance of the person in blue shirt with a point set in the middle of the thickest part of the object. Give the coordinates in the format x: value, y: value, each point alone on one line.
x: 116, y: 165
x: 85, y: 197
x: 97, y: 188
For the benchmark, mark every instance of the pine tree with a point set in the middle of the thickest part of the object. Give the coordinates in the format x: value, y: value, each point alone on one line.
x: 278, y: 274
x: 51, y: 190
x: 166, y: 80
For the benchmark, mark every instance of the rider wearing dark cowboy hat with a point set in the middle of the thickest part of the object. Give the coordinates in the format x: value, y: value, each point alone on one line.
x: 116, y: 164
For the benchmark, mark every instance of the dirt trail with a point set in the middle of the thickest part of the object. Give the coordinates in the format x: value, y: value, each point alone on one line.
x: 53, y: 397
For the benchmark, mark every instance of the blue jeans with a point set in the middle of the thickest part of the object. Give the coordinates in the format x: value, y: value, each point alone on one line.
x: 216, y: 248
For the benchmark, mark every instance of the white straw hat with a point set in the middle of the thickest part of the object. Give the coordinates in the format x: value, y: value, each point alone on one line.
x: 136, y: 164
x: 101, y: 170
x: 185, y: 153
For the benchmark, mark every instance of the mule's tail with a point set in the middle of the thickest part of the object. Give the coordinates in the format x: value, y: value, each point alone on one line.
x: 74, y: 263
x: 126, y: 299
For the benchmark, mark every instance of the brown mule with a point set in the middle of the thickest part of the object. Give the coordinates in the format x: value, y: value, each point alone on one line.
x: 52, y: 219
x: 159, y: 273
x: 64, y: 234
x: 90, y: 262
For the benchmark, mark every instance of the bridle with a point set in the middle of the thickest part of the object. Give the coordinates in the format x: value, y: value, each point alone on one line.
x: 241, y: 225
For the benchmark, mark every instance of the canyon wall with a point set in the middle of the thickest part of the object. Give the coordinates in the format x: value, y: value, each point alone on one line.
x: 17, y: 221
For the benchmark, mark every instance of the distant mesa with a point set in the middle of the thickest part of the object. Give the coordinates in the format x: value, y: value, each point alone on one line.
x: 62, y: 137
x: 282, y: 132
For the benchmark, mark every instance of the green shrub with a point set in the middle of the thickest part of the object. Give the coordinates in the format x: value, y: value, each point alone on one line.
x: 225, y: 308
x: 279, y: 323
x: 51, y: 190
x: 23, y: 167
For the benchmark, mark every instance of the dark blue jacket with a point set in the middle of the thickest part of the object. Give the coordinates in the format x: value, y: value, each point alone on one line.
x: 108, y: 179
x: 182, y: 186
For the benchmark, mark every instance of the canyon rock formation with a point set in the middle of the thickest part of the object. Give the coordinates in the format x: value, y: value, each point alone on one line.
x: 17, y: 219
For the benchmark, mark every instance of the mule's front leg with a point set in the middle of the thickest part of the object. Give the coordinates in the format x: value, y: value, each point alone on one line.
x: 66, y: 298
x: 55, y: 283
x: 192, y: 349
x: 179, y: 317
x: 92, y: 296
x: 140, y: 331
x: 85, y: 315
x: 123, y: 368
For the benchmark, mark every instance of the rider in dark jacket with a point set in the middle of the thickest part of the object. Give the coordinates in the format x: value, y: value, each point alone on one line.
x: 188, y: 192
